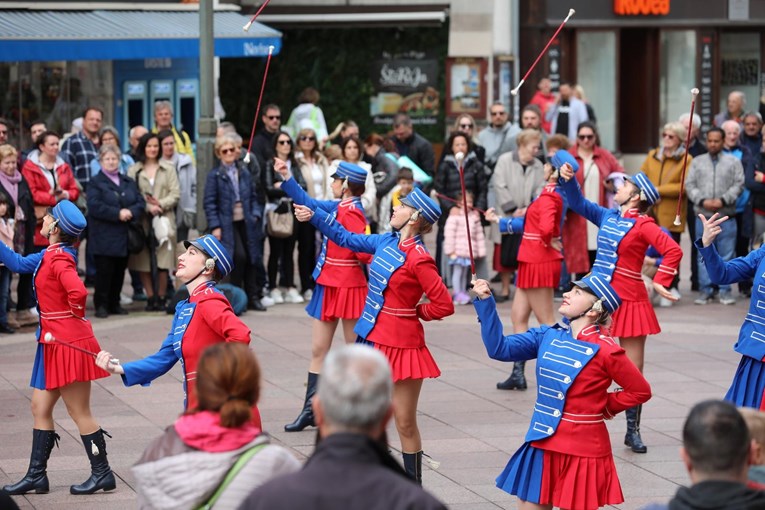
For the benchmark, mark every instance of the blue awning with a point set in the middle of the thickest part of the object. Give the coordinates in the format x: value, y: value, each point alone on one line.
x: 125, y: 35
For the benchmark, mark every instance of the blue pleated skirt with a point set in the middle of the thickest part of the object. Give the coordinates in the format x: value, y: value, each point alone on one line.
x: 522, y: 476
x: 748, y: 384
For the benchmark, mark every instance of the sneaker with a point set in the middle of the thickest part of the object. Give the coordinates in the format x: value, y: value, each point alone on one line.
x: 307, y: 295
x: 293, y: 296
x: 703, y: 299
x: 726, y: 298
x: 125, y: 300
x: 666, y: 303
x: 462, y: 298
x: 676, y: 293
x: 267, y: 301
x: 33, y: 311
x: 276, y: 296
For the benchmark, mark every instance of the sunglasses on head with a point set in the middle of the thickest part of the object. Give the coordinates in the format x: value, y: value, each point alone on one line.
x: 306, y: 138
x: 586, y: 137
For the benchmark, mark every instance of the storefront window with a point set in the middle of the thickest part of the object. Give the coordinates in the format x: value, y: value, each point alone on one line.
x: 740, y: 67
x: 678, y: 74
x: 54, y: 92
x: 596, y: 73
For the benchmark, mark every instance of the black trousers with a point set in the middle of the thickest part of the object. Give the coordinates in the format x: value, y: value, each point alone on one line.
x: 306, y: 238
x: 110, y: 274
x: 245, y: 273
x: 282, y: 253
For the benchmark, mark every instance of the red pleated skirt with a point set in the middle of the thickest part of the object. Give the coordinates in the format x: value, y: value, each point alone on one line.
x: 583, y: 483
x: 343, y: 302
x: 634, y: 318
x: 416, y: 363
x: 538, y: 275
x: 59, y: 365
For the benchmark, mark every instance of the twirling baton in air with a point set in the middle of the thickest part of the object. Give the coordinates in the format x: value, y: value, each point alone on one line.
x: 517, y: 87
x: 246, y: 28
x: 260, y: 98
x: 694, y: 93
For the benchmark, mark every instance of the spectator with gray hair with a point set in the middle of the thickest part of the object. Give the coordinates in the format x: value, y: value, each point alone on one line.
x: 163, y: 119
x: 735, y: 109
x: 716, y: 450
x: 110, y: 136
x: 351, y: 466
x: 698, y: 145
x: 134, y: 137
x: 751, y: 137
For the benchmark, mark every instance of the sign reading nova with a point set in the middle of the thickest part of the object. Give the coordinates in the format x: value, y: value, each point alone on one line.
x: 641, y: 7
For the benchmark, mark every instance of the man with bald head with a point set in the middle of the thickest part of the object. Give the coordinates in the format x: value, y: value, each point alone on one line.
x: 735, y: 111
x: 134, y: 136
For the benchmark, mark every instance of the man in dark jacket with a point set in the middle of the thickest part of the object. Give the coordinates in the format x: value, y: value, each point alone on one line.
x: 410, y: 144
x: 263, y: 142
x: 716, y: 449
x: 351, y: 467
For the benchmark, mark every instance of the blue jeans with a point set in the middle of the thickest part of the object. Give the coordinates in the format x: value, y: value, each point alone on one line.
x: 725, y: 243
x: 5, y: 289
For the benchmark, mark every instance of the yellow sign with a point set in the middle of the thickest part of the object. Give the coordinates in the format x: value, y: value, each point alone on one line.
x: 641, y: 7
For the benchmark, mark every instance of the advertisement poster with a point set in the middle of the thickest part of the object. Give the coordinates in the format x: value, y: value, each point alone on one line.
x: 465, y: 86
x: 405, y: 85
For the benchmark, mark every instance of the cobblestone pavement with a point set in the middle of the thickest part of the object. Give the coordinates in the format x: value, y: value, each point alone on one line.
x: 467, y: 425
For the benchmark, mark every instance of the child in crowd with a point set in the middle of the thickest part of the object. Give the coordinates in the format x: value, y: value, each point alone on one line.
x: 404, y: 186
x: 755, y: 422
x: 456, y: 245
x: 6, y: 236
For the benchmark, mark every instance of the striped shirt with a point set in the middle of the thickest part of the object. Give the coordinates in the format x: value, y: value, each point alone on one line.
x: 79, y: 151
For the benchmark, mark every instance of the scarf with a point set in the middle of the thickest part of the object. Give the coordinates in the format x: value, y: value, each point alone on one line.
x: 203, y: 431
x: 11, y: 185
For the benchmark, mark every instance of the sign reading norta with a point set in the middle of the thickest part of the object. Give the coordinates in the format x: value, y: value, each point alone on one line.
x: 641, y: 7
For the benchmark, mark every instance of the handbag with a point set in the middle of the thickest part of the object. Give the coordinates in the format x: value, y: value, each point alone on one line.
x: 281, y: 225
x: 136, y: 238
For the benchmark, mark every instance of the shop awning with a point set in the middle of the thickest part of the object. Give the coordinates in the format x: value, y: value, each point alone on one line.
x: 125, y: 35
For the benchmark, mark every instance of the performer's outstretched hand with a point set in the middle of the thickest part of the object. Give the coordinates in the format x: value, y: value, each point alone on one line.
x: 281, y: 167
x: 711, y: 228
x: 481, y: 288
x: 102, y: 360
x: 663, y: 292
x: 566, y: 172
x: 491, y: 215
x: 303, y: 213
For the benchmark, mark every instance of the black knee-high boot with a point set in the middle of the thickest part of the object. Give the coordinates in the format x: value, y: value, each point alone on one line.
x: 305, y: 418
x: 632, y: 438
x: 517, y: 379
x: 36, y: 478
x: 413, y: 465
x: 101, y: 476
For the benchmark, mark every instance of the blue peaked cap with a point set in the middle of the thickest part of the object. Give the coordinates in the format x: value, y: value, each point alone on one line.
x: 69, y: 218
x: 354, y: 173
x: 644, y: 184
x: 602, y: 289
x: 428, y: 207
x: 562, y: 157
x: 215, y: 250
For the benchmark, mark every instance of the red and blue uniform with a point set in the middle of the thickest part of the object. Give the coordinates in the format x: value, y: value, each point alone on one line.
x: 61, y: 299
x: 622, y: 244
x: 539, y: 263
x: 566, y: 460
x: 399, y: 274
x: 206, y: 318
x: 341, y: 286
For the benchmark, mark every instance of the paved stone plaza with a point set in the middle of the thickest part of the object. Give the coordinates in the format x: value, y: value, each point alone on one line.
x: 467, y: 425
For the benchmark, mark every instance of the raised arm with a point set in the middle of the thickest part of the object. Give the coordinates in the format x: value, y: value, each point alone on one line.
x: 720, y: 271
x: 576, y: 201
x: 332, y: 228
x: 299, y: 195
x: 18, y: 263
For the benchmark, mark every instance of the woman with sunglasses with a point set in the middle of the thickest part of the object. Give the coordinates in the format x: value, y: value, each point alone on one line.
x: 61, y: 371
x: 465, y: 123
x: 664, y: 167
x: 596, y: 163
x: 281, y: 257
x: 623, y: 237
x: 315, y: 169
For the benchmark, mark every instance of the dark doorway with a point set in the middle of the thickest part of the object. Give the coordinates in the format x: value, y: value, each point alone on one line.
x: 638, y: 89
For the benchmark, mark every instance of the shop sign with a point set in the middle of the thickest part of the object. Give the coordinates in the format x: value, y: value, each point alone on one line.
x: 405, y: 85
x: 641, y: 7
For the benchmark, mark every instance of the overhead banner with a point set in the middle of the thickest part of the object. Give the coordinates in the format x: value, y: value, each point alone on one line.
x: 405, y: 85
